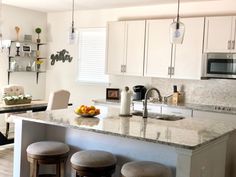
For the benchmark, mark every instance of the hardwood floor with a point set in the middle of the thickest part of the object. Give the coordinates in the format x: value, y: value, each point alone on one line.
x: 6, y: 152
x: 6, y: 161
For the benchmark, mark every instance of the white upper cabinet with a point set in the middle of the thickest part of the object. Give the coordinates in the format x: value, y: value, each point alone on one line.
x: 135, y: 47
x: 125, y: 47
x: 187, y: 57
x: 115, y: 47
x: 158, y: 48
x: 220, y: 34
x: 182, y: 61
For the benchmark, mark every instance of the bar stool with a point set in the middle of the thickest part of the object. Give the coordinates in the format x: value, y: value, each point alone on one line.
x: 145, y: 169
x: 93, y: 163
x: 47, y: 152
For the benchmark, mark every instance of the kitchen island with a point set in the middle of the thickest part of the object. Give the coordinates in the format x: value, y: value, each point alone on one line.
x: 191, y: 147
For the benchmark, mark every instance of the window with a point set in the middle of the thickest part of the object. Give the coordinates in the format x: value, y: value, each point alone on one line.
x: 92, y: 47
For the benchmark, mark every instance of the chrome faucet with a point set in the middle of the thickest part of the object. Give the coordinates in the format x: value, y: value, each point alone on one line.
x: 145, y: 112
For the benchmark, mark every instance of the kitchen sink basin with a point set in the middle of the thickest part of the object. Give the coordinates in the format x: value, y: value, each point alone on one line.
x: 159, y: 116
x: 171, y: 118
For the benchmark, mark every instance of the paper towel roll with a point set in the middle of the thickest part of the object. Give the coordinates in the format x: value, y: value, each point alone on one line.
x: 125, y: 101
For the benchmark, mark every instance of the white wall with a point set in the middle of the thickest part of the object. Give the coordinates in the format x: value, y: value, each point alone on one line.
x: 64, y: 75
x: 27, y: 20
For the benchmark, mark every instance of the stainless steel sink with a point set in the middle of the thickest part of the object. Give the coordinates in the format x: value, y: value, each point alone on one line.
x: 159, y: 116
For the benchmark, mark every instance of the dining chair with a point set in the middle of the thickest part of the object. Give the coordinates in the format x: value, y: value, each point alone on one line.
x: 11, y: 90
x: 58, y: 100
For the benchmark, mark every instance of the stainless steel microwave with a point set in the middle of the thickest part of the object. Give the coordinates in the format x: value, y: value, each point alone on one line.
x: 219, y: 65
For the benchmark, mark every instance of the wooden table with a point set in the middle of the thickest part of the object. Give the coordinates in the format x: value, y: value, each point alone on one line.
x: 35, y: 106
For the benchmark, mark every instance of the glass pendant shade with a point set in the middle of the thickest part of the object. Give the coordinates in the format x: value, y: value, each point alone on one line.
x: 73, y: 35
x: 177, y: 30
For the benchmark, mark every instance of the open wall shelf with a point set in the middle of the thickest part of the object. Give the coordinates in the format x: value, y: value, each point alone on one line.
x: 23, y: 58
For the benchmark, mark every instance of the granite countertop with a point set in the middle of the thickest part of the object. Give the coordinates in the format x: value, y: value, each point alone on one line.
x: 188, y: 133
x: 211, y: 108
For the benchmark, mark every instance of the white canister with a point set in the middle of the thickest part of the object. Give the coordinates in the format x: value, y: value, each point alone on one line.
x: 125, y: 102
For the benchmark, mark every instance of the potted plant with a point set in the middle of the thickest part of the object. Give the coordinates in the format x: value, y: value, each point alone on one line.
x: 20, y: 99
x: 38, y: 31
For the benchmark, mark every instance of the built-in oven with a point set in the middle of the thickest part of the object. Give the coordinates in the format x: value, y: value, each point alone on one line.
x: 219, y: 65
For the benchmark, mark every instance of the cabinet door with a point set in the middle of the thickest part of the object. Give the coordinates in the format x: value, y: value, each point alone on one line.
x: 212, y: 115
x: 218, y: 34
x: 115, y: 47
x: 158, y: 48
x: 138, y: 106
x: 187, y: 57
x: 177, y: 111
x: 234, y: 35
x: 135, y: 47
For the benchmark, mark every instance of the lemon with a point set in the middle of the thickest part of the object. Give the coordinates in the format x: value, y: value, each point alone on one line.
x: 92, y: 108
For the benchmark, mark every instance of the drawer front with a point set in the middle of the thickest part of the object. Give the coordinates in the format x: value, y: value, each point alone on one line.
x: 151, y: 108
x: 177, y: 111
x: 212, y: 115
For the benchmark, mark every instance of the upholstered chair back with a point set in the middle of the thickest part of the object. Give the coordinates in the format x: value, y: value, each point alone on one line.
x: 12, y: 90
x: 58, y: 100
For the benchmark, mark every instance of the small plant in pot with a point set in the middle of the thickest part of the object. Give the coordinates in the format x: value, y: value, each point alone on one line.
x: 38, y: 31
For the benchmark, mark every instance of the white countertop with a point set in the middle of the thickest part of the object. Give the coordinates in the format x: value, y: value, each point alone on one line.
x: 189, y: 133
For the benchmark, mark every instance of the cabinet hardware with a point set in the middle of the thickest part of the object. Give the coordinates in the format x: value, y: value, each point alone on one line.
x: 229, y: 44
x: 169, y: 70
x: 172, y: 70
x: 124, y: 68
x: 233, y: 44
x: 121, y: 68
x: 176, y: 112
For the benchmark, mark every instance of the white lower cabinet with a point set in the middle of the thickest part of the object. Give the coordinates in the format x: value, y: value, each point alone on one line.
x: 206, y: 114
x: 177, y: 111
x: 150, y: 108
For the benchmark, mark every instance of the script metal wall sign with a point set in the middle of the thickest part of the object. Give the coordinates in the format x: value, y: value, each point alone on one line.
x: 62, y: 55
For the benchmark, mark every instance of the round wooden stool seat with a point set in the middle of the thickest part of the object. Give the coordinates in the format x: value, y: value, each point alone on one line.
x: 93, y: 163
x: 145, y: 169
x: 47, y: 152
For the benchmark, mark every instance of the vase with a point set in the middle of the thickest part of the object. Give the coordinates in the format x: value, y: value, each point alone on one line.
x: 38, y: 40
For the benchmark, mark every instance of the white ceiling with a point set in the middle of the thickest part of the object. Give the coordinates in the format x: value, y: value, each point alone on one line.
x: 64, y: 5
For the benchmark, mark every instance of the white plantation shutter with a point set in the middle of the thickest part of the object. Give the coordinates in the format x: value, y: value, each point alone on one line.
x: 92, y: 47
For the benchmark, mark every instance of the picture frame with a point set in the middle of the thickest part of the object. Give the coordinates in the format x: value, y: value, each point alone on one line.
x: 112, y: 94
x: 26, y: 48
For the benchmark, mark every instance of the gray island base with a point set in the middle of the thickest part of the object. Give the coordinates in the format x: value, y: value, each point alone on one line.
x: 191, y: 147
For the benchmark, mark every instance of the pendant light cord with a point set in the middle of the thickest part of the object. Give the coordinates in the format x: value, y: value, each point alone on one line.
x: 73, y: 8
x: 177, y: 24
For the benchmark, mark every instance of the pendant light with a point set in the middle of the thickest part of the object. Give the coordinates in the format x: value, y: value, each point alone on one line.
x: 73, y: 33
x: 177, y: 30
